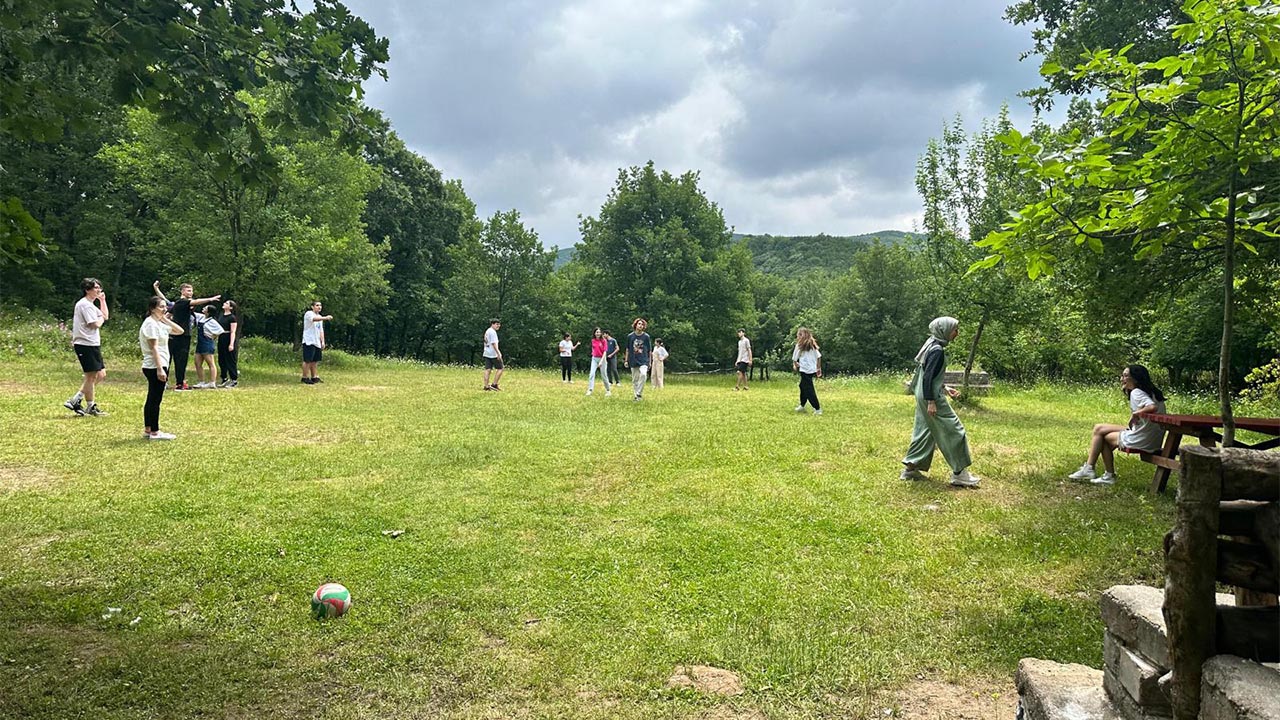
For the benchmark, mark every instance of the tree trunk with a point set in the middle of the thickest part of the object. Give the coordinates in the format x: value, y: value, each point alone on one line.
x: 973, y: 349
x: 1228, y: 317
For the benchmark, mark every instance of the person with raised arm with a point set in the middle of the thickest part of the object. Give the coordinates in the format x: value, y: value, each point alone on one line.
x: 313, y: 342
x: 180, y: 343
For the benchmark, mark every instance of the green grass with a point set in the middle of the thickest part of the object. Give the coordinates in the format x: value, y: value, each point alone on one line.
x: 562, y: 553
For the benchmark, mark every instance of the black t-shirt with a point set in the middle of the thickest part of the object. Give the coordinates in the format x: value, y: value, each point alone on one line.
x: 181, y: 312
x: 225, y: 321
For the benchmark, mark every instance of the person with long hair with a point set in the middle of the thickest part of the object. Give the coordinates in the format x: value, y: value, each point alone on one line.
x: 229, y: 345
x: 660, y: 356
x: 153, y: 338
x: 207, y: 331
x: 936, y: 424
x: 806, y: 359
x: 600, y: 362
x: 639, y: 351
x: 1140, y: 434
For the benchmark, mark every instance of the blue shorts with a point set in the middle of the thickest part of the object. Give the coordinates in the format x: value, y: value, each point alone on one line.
x: 204, y: 345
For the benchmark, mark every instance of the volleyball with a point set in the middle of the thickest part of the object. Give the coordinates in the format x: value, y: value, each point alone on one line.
x: 330, y: 600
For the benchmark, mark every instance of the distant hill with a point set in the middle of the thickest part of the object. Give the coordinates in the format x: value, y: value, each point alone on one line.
x: 795, y: 255
x: 790, y: 255
x: 563, y: 256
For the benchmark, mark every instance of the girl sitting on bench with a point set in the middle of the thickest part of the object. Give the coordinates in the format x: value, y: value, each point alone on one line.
x: 1140, y: 435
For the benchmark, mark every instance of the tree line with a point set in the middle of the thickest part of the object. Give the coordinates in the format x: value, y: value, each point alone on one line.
x: 171, y: 144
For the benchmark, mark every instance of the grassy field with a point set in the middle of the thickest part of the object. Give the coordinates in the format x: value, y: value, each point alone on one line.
x: 562, y: 554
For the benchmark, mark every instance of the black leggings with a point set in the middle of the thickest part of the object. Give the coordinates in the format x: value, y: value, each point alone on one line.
x: 155, y: 393
x: 566, y: 368
x: 180, y: 351
x: 807, y: 393
x: 228, y: 361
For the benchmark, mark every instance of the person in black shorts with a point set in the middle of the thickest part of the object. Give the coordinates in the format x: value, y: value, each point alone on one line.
x: 87, y: 343
x: 180, y: 343
x: 492, y: 355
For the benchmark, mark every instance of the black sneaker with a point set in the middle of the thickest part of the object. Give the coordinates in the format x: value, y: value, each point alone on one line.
x: 95, y: 411
x: 315, y: 380
x: 306, y: 381
x: 74, y: 407
x: 233, y: 383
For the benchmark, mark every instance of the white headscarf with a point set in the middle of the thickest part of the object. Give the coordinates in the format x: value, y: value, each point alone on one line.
x: 939, y: 334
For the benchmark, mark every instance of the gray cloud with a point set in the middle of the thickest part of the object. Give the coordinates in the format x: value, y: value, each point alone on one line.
x: 802, y: 116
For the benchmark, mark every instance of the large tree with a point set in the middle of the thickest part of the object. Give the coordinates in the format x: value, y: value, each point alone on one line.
x: 1203, y: 119
x: 191, y: 64
x: 273, y: 248
x: 505, y: 273
x: 410, y: 210
x: 967, y: 183
x: 661, y: 249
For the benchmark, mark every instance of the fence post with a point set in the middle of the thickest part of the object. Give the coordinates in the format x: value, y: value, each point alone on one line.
x: 1191, y: 559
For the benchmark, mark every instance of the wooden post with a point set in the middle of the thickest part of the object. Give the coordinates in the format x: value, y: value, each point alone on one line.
x: 1172, y: 440
x: 1191, y: 569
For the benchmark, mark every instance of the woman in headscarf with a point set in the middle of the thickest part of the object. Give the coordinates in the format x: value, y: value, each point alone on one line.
x: 936, y: 423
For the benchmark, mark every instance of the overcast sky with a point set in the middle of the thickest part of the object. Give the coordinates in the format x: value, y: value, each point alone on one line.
x: 802, y: 116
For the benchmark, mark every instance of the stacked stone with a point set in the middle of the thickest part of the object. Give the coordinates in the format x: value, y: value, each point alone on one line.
x: 1133, y: 684
x: 1135, y: 652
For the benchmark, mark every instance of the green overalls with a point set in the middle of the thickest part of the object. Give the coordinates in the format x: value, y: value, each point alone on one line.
x: 942, y: 430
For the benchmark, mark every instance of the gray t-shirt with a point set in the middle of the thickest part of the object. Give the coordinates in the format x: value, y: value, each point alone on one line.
x: 744, y: 350
x: 81, y: 333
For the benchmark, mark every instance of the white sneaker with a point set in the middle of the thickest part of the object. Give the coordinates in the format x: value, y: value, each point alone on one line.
x: 161, y: 435
x: 1106, y: 479
x: 964, y: 479
x: 588, y: 392
x: 799, y: 408
x: 912, y: 474
x: 1086, y: 472
x: 608, y: 393
x: 817, y: 412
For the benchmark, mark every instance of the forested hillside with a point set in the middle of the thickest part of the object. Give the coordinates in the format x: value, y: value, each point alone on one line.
x: 795, y: 255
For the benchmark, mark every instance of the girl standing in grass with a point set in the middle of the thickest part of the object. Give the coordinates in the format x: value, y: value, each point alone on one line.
x: 567, y: 346
x: 207, y: 332
x: 1140, y: 434
x: 153, y: 338
x: 936, y: 423
x: 660, y: 356
x: 599, y: 361
x: 229, y: 345
x: 807, y: 360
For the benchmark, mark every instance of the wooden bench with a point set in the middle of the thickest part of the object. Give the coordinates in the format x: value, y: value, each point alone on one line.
x: 1203, y: 428
x: 979, y: 382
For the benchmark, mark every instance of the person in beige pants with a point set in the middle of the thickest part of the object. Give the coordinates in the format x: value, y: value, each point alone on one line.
x: 659, y: 360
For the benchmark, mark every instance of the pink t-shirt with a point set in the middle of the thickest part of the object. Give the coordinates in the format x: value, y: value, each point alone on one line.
x: 598, y: 346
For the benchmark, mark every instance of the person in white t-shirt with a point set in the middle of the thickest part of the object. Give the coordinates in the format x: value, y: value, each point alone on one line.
x: 153, y: 338
x: 567, y: 346
x: 744, y: 361
x: 87, y: 343
x: 659, y: 364
x: 312, y: 342
x: 806, y: 359
x: 1140, y: 434
x: 492, y: 355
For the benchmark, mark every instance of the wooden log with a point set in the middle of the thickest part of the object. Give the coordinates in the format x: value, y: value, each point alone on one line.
x: 1189, y: 605
x: 1266, y: 528
x: 1246, y: 565
x: 1236, y: 517
x: 1250, y: 474
x: 1252, y: 633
